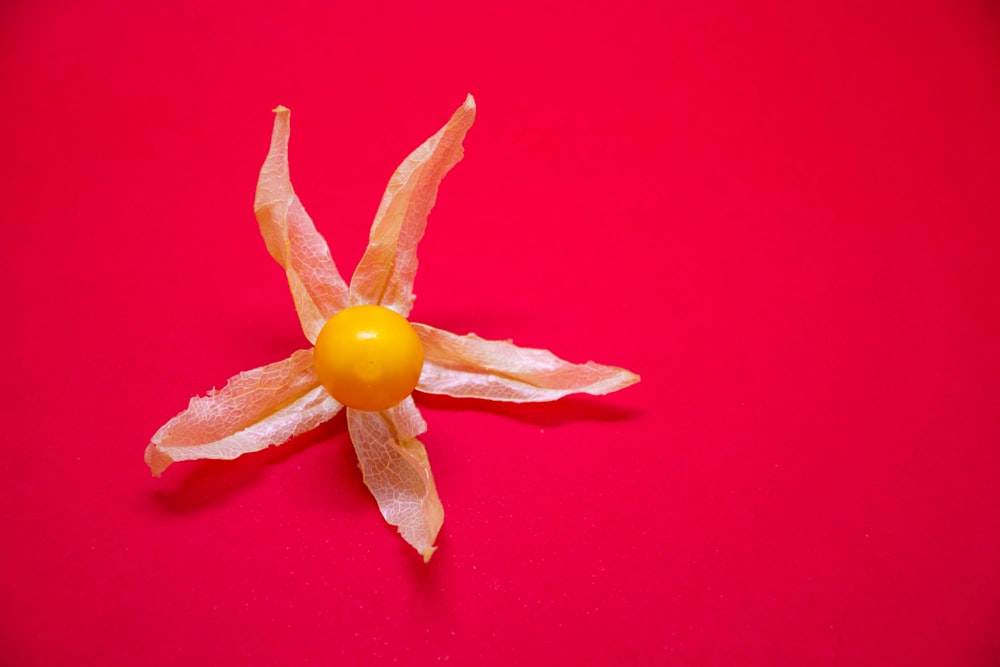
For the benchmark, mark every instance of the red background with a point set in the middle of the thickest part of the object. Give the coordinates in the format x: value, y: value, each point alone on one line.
x: 784, y: 216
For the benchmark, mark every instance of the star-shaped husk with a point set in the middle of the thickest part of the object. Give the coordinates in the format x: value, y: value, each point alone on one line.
x: 268, y: 405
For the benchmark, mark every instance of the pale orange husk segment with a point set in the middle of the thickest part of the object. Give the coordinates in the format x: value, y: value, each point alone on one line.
x: 397, y: 472
x: 291, y: 237
x: 472, y: 367
x: 385, y: 274
x: 256, y: 409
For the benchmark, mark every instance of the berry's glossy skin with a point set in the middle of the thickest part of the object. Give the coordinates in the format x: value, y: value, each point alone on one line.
x: 368, y: 357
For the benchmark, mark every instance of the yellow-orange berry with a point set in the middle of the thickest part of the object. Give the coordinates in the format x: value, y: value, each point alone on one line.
x: 368, y: 357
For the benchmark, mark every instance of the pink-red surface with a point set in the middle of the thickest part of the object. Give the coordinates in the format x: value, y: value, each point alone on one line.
x: 784, y: 216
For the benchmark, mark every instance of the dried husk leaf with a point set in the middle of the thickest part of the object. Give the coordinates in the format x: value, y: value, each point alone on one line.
x: 257, y: 408
x: 291, y: 237
x: 472, y: 367
x: 395, y: 468
x: 385, y: 274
